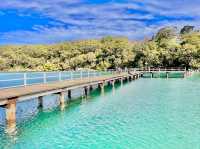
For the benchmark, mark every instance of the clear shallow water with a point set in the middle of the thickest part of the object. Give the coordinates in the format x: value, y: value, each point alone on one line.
x: 144, y: 114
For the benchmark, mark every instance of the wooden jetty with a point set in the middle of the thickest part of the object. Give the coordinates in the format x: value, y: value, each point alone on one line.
x: 168, y: 72
x: 9, y: 97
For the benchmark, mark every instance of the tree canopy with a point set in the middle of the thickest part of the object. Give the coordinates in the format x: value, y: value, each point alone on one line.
x: 167, y: 48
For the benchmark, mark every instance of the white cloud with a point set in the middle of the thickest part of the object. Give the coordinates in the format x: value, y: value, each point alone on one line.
x: 89, y: 20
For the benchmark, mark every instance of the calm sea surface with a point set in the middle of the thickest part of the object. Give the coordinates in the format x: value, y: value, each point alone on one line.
x: 144, y: 114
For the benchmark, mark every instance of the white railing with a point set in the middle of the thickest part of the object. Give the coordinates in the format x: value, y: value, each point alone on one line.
x: 160, y: 69
x: 10, y: 80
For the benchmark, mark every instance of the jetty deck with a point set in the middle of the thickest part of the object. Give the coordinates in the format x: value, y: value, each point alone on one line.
x: 22, y: 92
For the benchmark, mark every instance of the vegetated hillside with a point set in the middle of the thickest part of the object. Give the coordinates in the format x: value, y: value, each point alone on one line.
x: 168, y: 48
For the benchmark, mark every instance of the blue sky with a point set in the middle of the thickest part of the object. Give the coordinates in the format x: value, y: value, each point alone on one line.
x: 52, y: 21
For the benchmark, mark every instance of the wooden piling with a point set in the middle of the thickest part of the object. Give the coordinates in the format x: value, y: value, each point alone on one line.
x: 10, y: 108
x: 62, y: 99
x: 91, y: 88
x: 136, y: 76
x: 40, y: 102
x: 85, y: 91
x: 129, y: 78
x: 121, y: 81
x: 151, y: 74
x: 69, y: 93
x: 132, y: 77
x: 101, y: 86
x: 113, y: 83
x: 167, y: 74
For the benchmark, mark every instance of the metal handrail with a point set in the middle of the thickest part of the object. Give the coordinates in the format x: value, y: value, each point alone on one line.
x: 161, y: 69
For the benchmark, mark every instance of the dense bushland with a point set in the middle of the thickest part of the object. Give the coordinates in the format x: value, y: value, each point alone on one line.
x: 168, y: 48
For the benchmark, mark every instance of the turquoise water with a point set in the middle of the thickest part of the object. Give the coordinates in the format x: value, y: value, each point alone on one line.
x: 144, y: 114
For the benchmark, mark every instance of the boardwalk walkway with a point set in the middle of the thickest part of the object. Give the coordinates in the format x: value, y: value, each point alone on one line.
x: 22, y: 93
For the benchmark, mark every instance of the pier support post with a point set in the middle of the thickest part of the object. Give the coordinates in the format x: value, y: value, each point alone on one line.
x: 11, y: 115
x: 69, y: 93
x: 151, y: 74
x: 130, y: 78
x: 91, y: 88
x: 113, y: 83
x: 86, y: 91
x: 62, y: 100
x: 121, y: 81
x: 40, y: 102
x: 101, y: 86
x: 137, y: 76
x: 113, y: 87
x: 167, y: 75
x: 127, y: 78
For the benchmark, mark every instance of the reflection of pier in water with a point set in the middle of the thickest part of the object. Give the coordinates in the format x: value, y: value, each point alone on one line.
x: 9, y: 97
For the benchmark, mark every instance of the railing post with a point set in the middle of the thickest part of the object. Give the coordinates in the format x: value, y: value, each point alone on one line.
x: 44, y: 77
x: 25, y: 79
x: 81, y: 75
x: 91, y: 74
x: 71, y: 75
x: 95, y: 74
x: 60, y: 77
